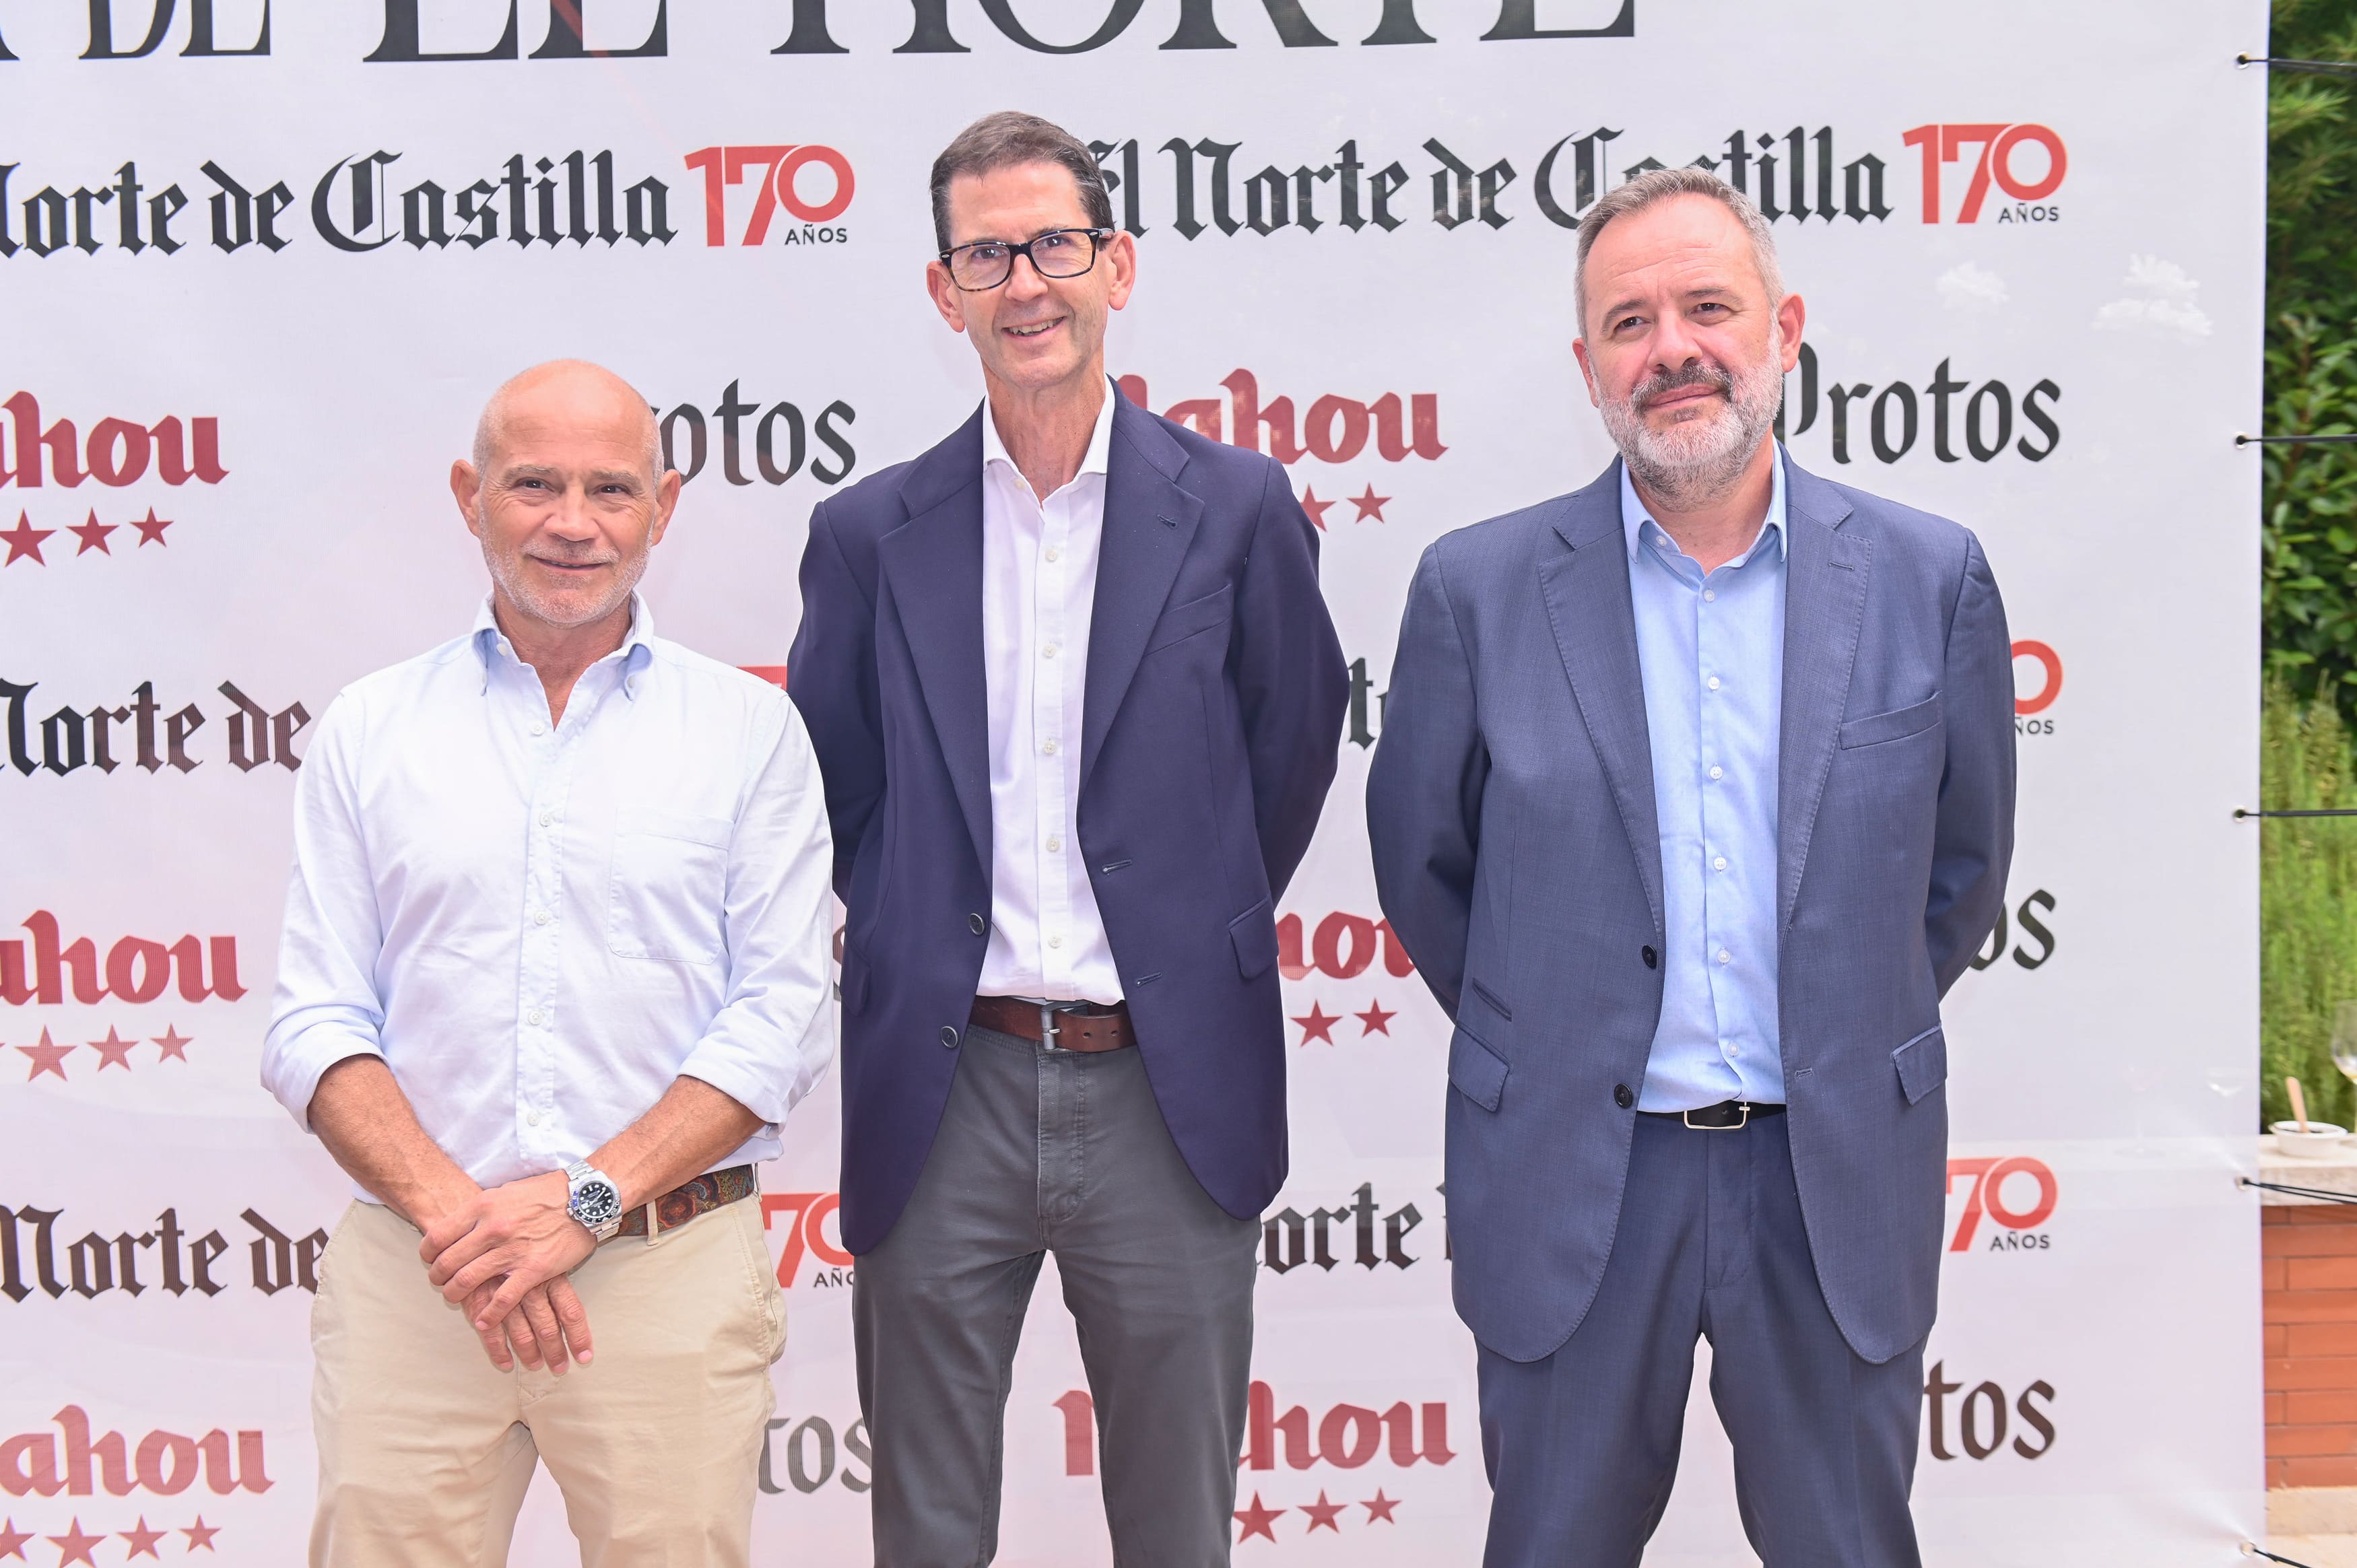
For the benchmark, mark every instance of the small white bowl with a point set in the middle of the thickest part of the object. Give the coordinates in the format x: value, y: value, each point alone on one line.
x: 2323, y: 1139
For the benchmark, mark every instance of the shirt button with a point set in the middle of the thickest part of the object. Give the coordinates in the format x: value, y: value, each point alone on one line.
x: 1054, y: 553
x: 1717, y: 772
x: 546, y: 817
x: 535, y: 1018
x: 1723, y: 955
x: 1714, y: 682
x: 1719, y: 864
x: 540, y: 917
x: 531, y: 1119
x: 1709, y: 596
x: 1049, y: 651
x: 1055, y: 843
x: 1055, y: 942
x: 540, y: 729
x: 1048, y: 746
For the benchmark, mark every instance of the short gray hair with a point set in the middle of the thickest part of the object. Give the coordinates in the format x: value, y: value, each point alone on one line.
x: 1656, y: 186
x: 1006, y: 138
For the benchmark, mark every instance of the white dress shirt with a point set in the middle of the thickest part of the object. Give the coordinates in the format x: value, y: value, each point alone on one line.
x: 1039, y: 595
x: 538, y: 927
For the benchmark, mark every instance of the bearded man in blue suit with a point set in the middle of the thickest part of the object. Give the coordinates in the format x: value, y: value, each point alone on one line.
x: 1693, y: 798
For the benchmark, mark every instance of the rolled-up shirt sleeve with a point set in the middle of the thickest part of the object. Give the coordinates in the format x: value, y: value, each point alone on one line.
x: 775, y: 1031
x: 325, y: 1008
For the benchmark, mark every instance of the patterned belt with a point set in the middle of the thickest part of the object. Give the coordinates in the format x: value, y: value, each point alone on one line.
x: 712, y: 1189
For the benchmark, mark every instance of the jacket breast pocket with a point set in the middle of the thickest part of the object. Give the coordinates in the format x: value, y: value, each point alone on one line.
x: 670, y: 877
x: 1922, y: 1064
x: 1192, y: 619
x: 1875, y: 729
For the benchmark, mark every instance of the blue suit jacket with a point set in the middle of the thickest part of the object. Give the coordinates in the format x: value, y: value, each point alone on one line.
x: 1212, y: 715
x: 1510, y: 810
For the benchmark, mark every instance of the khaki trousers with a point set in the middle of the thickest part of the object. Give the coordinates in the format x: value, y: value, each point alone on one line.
x: 425, y: 1448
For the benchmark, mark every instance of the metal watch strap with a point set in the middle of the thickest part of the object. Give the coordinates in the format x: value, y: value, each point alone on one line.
x: 577, y: 1173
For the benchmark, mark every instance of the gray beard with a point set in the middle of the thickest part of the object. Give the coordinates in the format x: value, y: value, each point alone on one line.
x: 1700, y: 460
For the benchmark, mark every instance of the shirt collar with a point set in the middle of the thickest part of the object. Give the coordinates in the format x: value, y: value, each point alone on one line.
x: 1635, y: 519
x: 1093, y: 461
x: 636, y: 650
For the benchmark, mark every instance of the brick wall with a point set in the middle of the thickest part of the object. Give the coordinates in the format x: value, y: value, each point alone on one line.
x: 2310, y: 1273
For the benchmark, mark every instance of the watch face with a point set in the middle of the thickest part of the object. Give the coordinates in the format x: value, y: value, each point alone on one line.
x: 595, y: 1204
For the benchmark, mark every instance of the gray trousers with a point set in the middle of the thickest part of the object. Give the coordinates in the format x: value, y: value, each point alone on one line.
x: 1044, y: 1151
x: 1582, y: 1446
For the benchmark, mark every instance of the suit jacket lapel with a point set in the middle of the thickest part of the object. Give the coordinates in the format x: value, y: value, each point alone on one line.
x: 1150, y: 522
x: 933, y: 567
x: 1824, y: 607
x: 1585, y: 586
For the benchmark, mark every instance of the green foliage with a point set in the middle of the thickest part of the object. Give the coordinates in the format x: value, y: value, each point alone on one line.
x: 2309, y: 541
x: 2308, y: 903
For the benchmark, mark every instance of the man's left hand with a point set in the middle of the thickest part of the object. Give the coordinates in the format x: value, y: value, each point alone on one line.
x: 522, y: 1229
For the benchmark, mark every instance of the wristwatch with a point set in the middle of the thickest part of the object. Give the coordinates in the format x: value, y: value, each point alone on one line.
x: 592, y: 1199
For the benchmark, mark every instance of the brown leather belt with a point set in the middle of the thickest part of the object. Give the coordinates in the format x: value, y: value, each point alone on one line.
x: 1065, y: 1026
x: 712, y: 1189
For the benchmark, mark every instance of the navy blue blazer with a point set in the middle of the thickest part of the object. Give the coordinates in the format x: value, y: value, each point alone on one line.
x: 1211, y: 723
x: 1509, y: 807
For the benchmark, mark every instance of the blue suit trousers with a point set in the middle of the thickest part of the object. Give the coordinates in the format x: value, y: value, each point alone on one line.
x: 1582, y: 1445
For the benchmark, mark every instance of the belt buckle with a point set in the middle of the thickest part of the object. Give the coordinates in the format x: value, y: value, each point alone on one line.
x: 1048, y: 1012
x: 1742, y: 1119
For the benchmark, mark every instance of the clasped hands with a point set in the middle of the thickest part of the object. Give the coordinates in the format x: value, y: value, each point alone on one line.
x: 504, y: 1255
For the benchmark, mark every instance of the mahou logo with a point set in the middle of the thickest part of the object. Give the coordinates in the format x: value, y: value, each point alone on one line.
x: 1341, y: 946
x: 1397, y: 1436
x: 115, y: 453
x: 73, y: 1461
x: 135, y: 969
x: 2005, y: 153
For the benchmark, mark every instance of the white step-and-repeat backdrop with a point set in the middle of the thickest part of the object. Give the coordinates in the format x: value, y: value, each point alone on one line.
x: 260, y: 266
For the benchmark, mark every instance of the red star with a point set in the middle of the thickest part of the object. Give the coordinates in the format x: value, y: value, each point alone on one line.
x: 143, y: 1539
x: 1380, y: 1508
x: 1314, y: 507
x: 1374, y: 1020
x: 113, y: 1050
x: 46, y: 1058
x: 1321, y: 1513
x: 93, y: 535
x: 1257, y: 1519
x: 176, y: 1043
x: 1370, y: 505
x: 1316, y: 1026
x: 24, y: 540
x: 201, y: 1535
x: 75, y: 1547
x: 12, y: 1540
x: 151, y: 528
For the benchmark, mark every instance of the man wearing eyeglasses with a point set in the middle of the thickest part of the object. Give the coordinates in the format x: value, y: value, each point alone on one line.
x: 1077, y: 701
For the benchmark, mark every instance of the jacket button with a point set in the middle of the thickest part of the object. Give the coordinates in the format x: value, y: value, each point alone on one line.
x: 1652, y: 957
x: 977, y: 923
x: 1620, y: 1095
x: 950, y: 1038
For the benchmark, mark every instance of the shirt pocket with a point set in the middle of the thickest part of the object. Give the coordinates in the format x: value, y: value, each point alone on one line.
x: 669, y: 878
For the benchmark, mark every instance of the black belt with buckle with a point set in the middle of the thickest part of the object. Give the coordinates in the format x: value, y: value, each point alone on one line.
x: 1724, y: 1117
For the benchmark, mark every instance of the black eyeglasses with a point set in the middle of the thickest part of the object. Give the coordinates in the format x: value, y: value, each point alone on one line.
x: 1058, y: 253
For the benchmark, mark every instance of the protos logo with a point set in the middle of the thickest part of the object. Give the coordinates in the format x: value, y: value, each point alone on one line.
x: 782, y: 166
x: 1996, y: 1185
x: 1999, y: 144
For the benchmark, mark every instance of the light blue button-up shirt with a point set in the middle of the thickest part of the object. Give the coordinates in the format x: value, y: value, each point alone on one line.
x: 1712, y: 652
